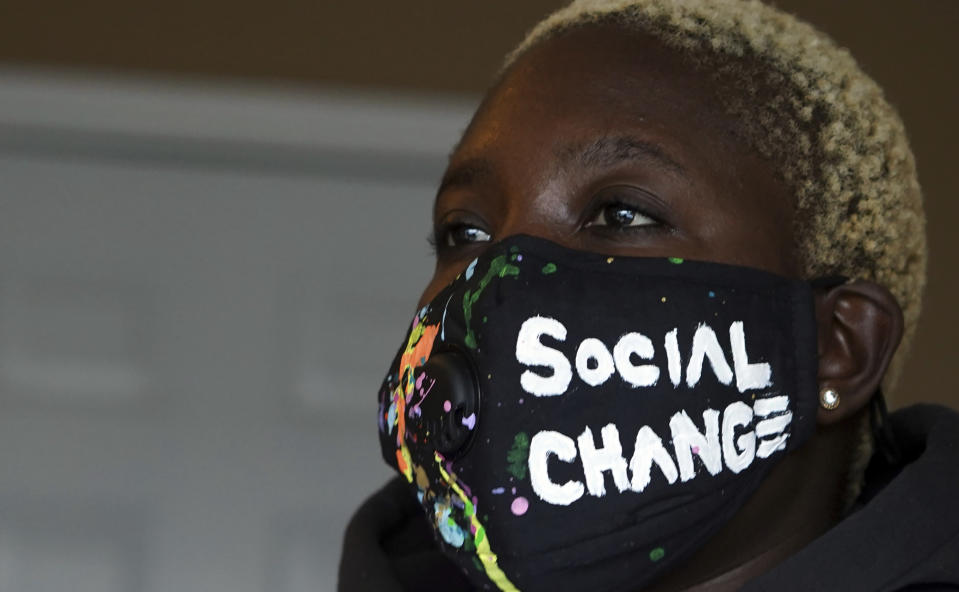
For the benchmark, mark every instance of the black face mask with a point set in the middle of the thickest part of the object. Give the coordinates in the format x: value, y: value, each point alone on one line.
x: 572, y: 421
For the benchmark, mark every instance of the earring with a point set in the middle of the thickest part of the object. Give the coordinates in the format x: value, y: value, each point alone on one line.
x: 828, y: 398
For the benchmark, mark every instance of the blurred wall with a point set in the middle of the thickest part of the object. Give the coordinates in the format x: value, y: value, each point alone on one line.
x: 200, y: 290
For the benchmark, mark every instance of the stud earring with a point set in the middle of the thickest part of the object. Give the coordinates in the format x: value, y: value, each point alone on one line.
x: 828, y: 398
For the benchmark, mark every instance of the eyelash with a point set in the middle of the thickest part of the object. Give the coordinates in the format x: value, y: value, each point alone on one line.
x: 602, y: 209
x: 438, y: 239
x: 433, y: 242
x: 635, y: 199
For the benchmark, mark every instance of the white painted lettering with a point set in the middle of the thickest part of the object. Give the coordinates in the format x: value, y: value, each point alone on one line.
x: 595, y: 364
x: 748, y: 376
x: 705, y: 345
x: 738, y: 453
x: 594, y: 349
x: 688, y: 440
x: 598, y: 461
x: 649, y: 449
x: 771, y: 431
x: 639, y: 344
x: 731, y: 443
x: 530, y: 351
x: 673, y: 360
x: 541, y: 447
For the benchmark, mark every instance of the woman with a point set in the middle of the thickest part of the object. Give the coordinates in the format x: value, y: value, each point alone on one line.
x: 680, y: 252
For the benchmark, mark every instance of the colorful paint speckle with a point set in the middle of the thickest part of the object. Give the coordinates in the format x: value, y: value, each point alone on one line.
x: 471, y: 268
x: 449, y: 501
x: 517, y: 456
x: 449, y: 530
x: 519, y: 506
x: 487, y: 558
x: 498, y: 267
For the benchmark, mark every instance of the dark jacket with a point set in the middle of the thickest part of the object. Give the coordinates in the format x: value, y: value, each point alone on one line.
x: 903, y: 536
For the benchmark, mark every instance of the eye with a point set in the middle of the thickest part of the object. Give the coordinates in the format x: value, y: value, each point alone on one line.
x: 457, y: 235
x: 618, y: 208
x: 618, y: 215
x: 465, y: 234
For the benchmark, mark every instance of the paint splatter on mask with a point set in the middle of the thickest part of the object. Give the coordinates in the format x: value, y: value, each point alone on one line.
x: 572, y: 421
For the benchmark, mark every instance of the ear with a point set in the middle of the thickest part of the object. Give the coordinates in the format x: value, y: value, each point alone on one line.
x: 859, y: 328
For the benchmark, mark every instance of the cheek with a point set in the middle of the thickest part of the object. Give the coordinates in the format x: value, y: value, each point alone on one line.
x: 441, y: 277
x: 749, y: 221
x: 750, y: 239
x: 757, y: 243
x: 767, y: 237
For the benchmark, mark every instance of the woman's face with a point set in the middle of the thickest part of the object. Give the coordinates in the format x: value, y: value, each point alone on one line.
x: 605, y: 141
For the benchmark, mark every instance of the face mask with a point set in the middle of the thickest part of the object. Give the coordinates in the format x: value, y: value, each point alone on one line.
x: 572, y: 421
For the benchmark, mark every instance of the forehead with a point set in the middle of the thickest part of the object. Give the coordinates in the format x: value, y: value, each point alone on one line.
x: 598, y: 106
x: 601, y: 80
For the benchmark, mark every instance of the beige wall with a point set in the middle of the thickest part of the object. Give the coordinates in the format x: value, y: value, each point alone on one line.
x: 451, y: 47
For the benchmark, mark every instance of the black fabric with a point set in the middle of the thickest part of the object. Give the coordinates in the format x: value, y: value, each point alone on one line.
x: 903, y: 537
x: 905, y: 534
x: 511, y: 376
x: 389, y: 547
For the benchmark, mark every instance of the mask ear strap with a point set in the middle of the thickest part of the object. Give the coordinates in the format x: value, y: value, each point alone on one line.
x: 881, y: 431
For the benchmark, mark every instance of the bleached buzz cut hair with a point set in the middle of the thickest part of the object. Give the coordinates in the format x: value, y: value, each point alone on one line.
x: 803, y: 104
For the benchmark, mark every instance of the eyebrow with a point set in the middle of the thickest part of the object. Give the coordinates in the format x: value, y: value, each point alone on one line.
x: 609, y: 151
x: 604, y: 152
x: 465, y: 174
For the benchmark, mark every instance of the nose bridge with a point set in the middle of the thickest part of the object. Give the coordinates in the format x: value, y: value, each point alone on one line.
x: 542, y: 210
